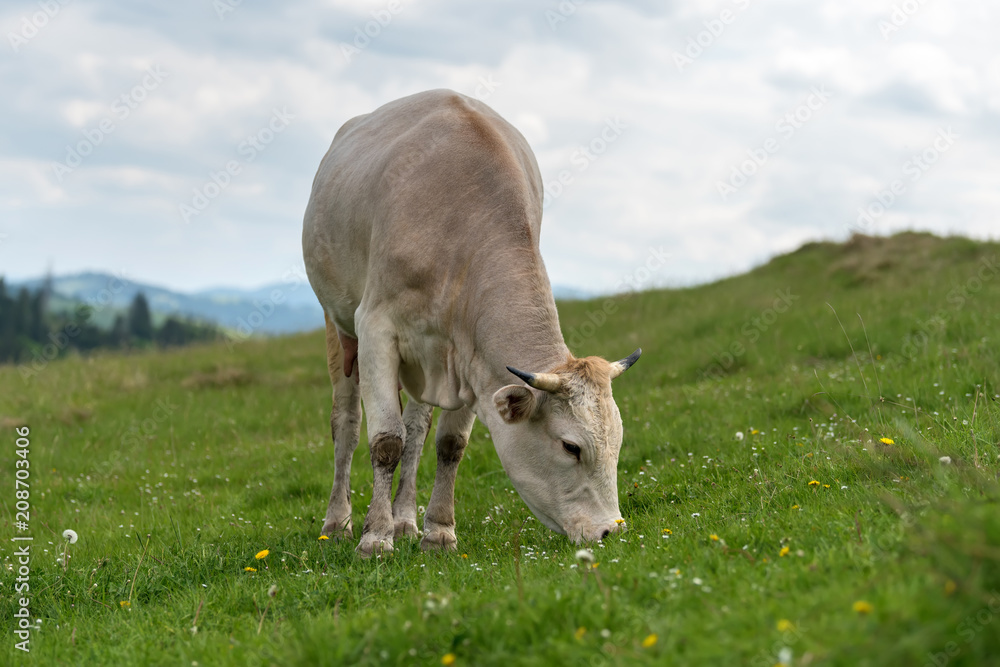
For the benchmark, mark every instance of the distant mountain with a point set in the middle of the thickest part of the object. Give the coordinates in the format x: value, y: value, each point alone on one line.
x: 284, y: 307
x: 288, y: 306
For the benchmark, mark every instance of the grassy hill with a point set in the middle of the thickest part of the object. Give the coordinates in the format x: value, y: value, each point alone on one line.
x: 781, y: 474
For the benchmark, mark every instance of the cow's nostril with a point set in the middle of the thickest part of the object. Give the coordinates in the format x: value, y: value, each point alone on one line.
x: 605, y: 533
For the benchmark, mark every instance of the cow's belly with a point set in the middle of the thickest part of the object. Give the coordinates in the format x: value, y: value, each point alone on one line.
x: 427, y: 369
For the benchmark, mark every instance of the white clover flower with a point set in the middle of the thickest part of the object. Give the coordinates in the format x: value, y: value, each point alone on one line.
x: 70, y: 535
x: 785, y: 656
x: 945, y: 460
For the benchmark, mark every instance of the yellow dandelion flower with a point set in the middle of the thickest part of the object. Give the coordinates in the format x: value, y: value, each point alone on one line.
x: 619, y: 521
x: 465, y: 555
x: 125, y: 603
x: 249, y: 569
x: 795, y: 507
x: 814, y: 483
x: 261, y: 555
x: 580, y: 632
x: 448, y: 659
x: 594, y: 566
x: 863, y: 607
x: 784, y: 625
x: 826, y: 486
x: 713, y: 537
x: 667, y: 531
x: 650, y: 641
x: 754, y: 431
x: 323, y: 537
x: 887, y: 441
x: 950, y: 587
x: 784, y: 551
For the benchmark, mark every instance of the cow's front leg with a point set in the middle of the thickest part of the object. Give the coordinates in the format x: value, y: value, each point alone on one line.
x: 417, y: 420
x: 452, y: 436
x: 378, y: 363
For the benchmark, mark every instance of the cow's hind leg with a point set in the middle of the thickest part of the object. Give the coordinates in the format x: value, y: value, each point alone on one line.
x: 345, y: 426
x: 378, y: 363
x: 417, y: 420
x: 452, y: 436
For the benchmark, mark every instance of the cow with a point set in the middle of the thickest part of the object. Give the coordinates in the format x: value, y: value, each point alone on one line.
x: 420, y: 240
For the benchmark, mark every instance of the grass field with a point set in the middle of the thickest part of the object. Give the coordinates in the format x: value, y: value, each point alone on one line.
x: 830, y: 532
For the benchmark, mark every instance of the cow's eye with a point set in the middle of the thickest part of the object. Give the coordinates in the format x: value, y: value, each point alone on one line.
x: 572, y: 449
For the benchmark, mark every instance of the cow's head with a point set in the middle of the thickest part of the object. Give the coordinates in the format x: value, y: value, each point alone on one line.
x: 559, y: 443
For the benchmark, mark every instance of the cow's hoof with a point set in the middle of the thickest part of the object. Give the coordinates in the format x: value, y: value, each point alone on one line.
x: 373, y: 545
x: 405, y: 528
x: 439, y: 539
x: 337, y: 531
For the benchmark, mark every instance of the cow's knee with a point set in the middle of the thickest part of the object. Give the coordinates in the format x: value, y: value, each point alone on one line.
x: 450, y: 448
x: 386, y: 450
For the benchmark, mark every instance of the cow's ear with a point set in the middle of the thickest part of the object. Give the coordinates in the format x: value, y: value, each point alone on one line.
x: 515, y: 403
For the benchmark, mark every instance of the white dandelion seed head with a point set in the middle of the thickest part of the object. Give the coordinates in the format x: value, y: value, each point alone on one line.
x: 70, y: 534
x: 273, y: 590
x: 946, y: 460
x: 739, y: 435
x: 785, y: 656
x: 585, y: 556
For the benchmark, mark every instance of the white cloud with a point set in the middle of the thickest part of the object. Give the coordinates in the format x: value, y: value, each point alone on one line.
x: 657, y: 184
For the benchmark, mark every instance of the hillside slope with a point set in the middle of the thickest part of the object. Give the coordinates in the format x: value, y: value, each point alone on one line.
x: 809, y: 475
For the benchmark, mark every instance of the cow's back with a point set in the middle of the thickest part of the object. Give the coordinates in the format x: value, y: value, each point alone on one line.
x: 413, y: 198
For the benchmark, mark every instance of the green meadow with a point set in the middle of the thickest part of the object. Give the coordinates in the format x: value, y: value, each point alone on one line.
x: 809, y: 475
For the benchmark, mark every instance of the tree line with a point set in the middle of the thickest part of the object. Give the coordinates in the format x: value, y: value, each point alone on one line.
x: 29, y: 328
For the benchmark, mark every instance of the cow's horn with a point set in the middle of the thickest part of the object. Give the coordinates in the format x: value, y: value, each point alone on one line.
x: 623, y: 365
x: 545, y: 381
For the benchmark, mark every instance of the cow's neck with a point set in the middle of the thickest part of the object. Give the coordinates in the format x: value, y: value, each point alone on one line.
x: 515, y: 324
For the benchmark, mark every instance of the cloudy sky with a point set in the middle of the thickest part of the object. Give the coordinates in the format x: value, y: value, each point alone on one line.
x: 720, y: 132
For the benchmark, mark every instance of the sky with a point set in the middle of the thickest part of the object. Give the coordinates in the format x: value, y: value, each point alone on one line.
x: 176, y: 143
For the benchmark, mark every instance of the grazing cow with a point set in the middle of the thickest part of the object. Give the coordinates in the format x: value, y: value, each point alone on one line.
x: 421, y: 243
